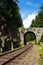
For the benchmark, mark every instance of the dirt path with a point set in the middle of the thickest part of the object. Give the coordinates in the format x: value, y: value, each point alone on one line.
x: 31, y: 58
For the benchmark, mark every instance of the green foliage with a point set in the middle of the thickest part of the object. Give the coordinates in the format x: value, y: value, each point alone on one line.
x: 0, y: 52
x: 10, y: 20
x: 38, y: 22
x: 21, y: 28
x: 41, y: 54
x: 40, y: 48
x: 39, y: 42
x: 29, y: 37
x: 41, y: 51
x: 42, y: 38
x: 40, y: 62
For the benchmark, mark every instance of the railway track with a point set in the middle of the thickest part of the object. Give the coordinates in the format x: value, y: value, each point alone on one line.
x: 9, y: 58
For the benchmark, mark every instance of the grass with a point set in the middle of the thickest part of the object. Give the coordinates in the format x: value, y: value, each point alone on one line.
x: 40, y: 62
x: 0, y: 52
x: 40, y: 48
x: 21, y: 44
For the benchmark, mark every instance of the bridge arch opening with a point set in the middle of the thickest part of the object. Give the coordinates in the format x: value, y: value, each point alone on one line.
x: 31, y: 35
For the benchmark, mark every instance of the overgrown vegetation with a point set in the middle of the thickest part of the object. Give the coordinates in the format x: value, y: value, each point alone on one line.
x: 40, y: 48
x: 39, y: 42
x: 40, y: 62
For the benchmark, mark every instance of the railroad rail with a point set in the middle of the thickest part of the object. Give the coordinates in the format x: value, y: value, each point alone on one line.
x: 12, y: 56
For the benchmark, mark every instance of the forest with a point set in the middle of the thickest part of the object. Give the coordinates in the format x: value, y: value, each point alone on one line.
x: 38, y: 22
x: 10, y: 21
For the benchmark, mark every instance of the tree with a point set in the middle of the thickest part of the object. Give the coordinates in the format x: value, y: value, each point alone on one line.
x: 10, y: 19
x: 38, y: 22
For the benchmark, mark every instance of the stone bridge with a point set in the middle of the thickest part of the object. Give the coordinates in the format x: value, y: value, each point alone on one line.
x: 36, y: 31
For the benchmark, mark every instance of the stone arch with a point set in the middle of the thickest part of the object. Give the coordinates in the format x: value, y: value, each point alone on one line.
x: 27, y: 33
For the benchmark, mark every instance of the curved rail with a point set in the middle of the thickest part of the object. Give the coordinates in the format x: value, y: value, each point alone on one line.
x: 7, y: 57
